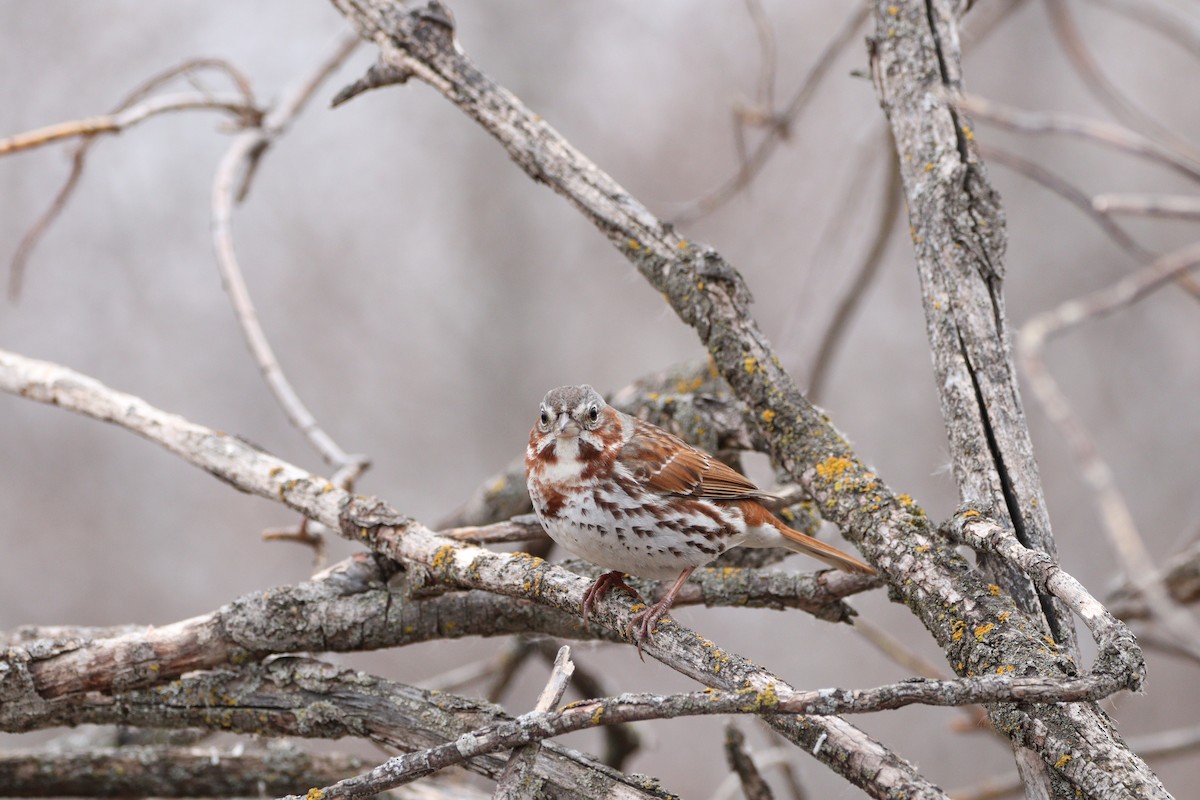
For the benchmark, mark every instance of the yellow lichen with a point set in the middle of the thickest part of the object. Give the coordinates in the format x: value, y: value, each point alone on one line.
x: 314, y: 794
x: 634, y: 244
x: 1005, y: 669
x: 833, y: 467
x: 442, y: 557
x: 893, y: 10
x: 970, y: 512
x: 921, y: 548
x: 929, y: 167
x: 683, y: 243
x: 1003, y: 616
x: 1062, y: 761
x: 994, y: 589
x: 750, y: 364
x: 596, y: 716
x: 968, y: 134
x: 768, y: 416
x: 957, y: 630
x: 983, y: 630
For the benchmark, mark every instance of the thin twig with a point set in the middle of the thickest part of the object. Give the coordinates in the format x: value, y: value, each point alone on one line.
x: 1107, y: 134
x: 1173, y: 206
x: 229, y: 186
x: 889, y: 214
x: 1115, y: 514
x: 1072, y: 194
x: 89, y: 129
x: 1124, y: 109
x: 514, y: 781
x: 122, y: 120
x: 780, y: 123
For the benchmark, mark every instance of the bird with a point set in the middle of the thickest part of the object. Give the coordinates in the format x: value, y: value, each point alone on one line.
x: 635, y: 499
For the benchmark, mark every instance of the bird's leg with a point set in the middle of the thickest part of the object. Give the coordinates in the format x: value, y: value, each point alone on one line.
x: 595, y: 593
x: 645, y: 620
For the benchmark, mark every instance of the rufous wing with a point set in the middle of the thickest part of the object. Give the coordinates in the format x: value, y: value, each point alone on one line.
x: 664, y: 463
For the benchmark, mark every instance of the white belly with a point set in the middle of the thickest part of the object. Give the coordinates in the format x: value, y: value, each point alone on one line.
x: 610, y: 530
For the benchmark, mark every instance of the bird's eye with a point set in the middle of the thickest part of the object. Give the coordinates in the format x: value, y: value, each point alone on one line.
x: 593, y: 414
x: 544, y: 419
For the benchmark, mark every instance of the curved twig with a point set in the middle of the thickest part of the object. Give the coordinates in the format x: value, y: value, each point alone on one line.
x: 230, y: 186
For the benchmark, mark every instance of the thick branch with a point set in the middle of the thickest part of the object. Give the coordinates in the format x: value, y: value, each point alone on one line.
x: 152, y: 771
x: 300, y: 697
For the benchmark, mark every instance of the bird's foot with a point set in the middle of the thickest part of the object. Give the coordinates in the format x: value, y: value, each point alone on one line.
x: 642, y: 628
x: 602, y: 586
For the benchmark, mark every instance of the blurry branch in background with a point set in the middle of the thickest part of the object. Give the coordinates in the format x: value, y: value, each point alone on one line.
x: 1132, y: 555
x: 1175, y: 26
x: 864, y: 276
x: 231, y: 185
x: 1123, y: 108
x: 1062, y: 124
x: 777, y: 123
x: 1072, y: 194
x: 137, y: 106
x: 742, y: 764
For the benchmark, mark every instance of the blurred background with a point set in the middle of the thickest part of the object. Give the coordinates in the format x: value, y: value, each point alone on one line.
x: 422, y: 294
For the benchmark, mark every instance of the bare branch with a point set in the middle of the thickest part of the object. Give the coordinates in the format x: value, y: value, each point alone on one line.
x: 230, y: 185
x: 120, y: 121
x: 1181, y: 577
x: 1109, y: 135
x: 1150, y: 205
x: 621, y: 740
x: 1119, y: 653
x: 1072, y: 194
x: 292, y: 696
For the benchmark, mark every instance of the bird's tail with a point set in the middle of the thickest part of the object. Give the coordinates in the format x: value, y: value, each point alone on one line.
x: 826, y: 553
x: 758, y: 517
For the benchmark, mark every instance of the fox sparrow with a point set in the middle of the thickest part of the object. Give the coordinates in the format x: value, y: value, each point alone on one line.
x: 632, y: 498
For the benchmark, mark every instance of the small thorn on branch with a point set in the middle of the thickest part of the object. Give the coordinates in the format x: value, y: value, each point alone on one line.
x: 378, y: 76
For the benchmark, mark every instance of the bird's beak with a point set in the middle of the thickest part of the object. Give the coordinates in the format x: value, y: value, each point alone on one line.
x: 566, y: 426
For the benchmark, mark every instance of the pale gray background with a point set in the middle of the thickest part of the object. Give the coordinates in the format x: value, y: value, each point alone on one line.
x: 422, y: 294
